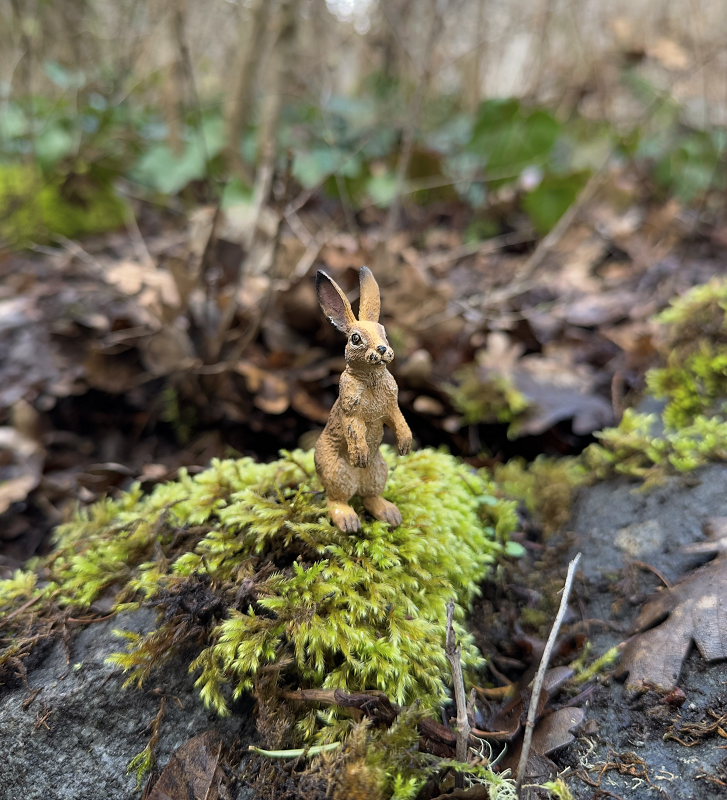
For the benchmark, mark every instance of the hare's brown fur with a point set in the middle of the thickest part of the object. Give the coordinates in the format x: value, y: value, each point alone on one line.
x: 347, y: 454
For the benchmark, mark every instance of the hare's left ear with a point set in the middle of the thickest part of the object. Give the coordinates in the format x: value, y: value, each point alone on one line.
x: 370, y: 306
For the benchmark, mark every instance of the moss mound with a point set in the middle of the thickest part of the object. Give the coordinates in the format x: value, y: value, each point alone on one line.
x: 242, y: 562
x: 690, y: 431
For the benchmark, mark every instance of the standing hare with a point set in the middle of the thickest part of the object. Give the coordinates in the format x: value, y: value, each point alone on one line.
x: 347, y: 454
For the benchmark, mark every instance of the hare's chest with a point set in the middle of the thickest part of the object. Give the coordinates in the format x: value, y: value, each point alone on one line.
x: 375, y: 404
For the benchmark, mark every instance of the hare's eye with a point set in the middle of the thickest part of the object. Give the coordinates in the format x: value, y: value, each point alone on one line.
x: 355, y: 339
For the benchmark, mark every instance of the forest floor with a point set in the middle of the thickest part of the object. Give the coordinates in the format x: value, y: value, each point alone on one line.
x: 111, y: 373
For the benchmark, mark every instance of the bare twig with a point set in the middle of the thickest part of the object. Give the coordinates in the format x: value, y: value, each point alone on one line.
x: 253, y: 22
x: 132, y: 227
x: 424, y: 71
x: 453, y: 651
x: 21, y: 609
x: 479, y: 248
x: 547, y: 243
x: 540, y: 677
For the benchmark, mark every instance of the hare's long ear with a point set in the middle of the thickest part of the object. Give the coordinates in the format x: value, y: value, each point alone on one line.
x: 370, y: 300
x: 334, y: 302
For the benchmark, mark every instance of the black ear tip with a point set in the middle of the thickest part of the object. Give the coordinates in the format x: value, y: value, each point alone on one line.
x: 365, y: 270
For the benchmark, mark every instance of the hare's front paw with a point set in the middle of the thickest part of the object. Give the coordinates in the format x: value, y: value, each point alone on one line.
x: 405, y: 445
x: 360, y: 459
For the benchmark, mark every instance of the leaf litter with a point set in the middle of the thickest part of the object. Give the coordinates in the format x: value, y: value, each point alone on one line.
x: 695, y: 610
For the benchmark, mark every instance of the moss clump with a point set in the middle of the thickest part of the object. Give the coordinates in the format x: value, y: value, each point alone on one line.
x: 545, y: 487
x: 242, y: 562
x: 693, y: 383
x: 486, y: 396
x: 376, y: 763
x: 31, y: 207
x: 694, y: 380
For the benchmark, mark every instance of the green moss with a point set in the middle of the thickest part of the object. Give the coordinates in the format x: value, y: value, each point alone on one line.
x: 558, y: 790
x: 535, y: 617
x: 693, y: 384
x: 584, y: 673
x: 31, y: 207
x: 485, y: 398
x: 545, y: 487
x: 243, y: 563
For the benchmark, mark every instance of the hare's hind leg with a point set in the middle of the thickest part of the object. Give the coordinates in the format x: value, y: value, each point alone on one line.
x: 382, y: 509
x: 343, y: 516
x: 339, y: 481
x: 370, y: 489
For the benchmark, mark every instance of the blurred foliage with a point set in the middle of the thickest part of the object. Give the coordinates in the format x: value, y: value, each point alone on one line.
x: 80, y: 143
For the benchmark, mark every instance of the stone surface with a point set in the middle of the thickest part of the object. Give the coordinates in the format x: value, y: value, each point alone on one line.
x: 615, y: 521
x: 74, y: 741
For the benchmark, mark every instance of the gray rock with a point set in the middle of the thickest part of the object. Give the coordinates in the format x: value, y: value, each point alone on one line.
x: 74, y: 741
x: 615, y: 521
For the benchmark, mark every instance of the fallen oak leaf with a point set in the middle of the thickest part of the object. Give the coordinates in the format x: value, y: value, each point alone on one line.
x: 190, y: 771
x: 693, y: 610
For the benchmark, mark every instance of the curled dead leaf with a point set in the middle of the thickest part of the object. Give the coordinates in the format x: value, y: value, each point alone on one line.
x: 693, y: 610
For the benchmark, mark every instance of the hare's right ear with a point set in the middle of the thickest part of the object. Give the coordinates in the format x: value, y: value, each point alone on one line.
x: 334, y: 302
x: 370, y: 307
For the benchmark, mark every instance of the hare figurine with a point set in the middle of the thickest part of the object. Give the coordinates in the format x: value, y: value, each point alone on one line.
x: 347, y: 455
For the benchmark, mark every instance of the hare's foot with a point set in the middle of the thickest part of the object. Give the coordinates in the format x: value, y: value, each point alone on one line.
x: 382, y: 509
x: 344, y: 517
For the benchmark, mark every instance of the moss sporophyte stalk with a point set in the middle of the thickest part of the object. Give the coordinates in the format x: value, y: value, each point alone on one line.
x: 249, y: 575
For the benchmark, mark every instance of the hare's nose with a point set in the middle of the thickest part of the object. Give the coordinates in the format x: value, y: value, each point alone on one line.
x: 382, y: 349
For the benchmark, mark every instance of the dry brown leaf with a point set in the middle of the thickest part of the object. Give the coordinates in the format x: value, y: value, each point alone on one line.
x: 21, y: 465
x: 190, y: 773
x: 554, y: 731
x: 307, y: 406
x: 428, y: 405
x: 670, y: 53
x: 155, y: 287
x: 168, y: 350
x: 599, y: 309
x: 501, y: 353
x: 558, y: 389
x: 695, y: 610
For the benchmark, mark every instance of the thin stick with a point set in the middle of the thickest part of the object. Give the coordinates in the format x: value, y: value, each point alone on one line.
x: 540, y: 677
x: 453, y: 651
x: 548, y: 242
x: 21, y: 609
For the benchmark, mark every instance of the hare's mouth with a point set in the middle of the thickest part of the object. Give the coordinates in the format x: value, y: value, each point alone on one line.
x: 377, y: 358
